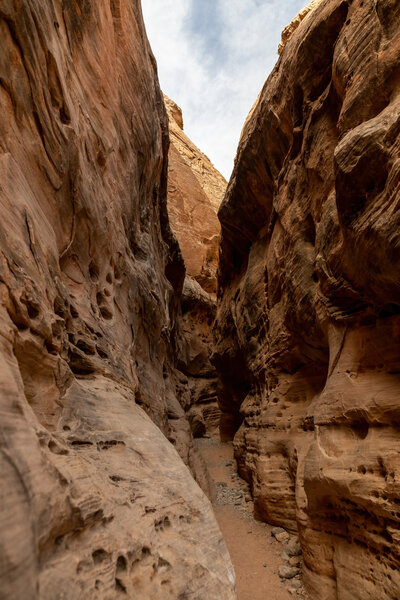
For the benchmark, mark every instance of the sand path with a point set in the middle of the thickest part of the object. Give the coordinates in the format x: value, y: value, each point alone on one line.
x: 255, y: 553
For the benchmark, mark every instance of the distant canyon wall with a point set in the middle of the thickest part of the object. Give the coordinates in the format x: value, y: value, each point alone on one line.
x: 308, y: 324
x: 94, y: 500
x: 195, y: 192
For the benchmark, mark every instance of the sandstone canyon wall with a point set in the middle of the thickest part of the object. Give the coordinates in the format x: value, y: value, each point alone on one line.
x: 94, y: 501
x: 195, y: 192
x: 308, y: 324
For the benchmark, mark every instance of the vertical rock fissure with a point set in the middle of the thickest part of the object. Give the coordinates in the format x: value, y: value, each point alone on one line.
x: 195, y: 190
x: 128, y: 349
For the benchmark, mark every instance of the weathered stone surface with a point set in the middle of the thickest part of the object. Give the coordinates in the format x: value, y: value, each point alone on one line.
x: 293, y: 25
x: 194, y: 349
x: 282, y: 537
x: 94, y: 501
x: 308, y: 320
x: 293, y: 548
x: 286, y: 572
x: 195, y: 192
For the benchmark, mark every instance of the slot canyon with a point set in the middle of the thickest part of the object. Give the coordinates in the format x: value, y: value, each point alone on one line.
x: 199, y: 379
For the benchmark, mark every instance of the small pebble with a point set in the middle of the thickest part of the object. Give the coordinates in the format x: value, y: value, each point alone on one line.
x: 285, y: 557
x: 276, y: 530
x: 293, y: 548
x: 286, y: 572
x: 282, y: 537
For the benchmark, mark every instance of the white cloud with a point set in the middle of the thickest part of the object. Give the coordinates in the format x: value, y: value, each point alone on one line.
x: 215, y: 67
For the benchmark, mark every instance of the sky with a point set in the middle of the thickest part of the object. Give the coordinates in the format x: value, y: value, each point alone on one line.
x: 213, y: 58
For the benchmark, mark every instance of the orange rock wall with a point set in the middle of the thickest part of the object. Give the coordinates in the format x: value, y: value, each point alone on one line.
x: 307, y: 333
x: 94, y: 501
x: 195, y: 192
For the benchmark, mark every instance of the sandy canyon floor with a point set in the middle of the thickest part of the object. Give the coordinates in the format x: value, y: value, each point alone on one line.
x: 256, y: 554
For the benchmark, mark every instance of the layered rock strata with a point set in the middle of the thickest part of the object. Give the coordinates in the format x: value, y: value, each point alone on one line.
x: 293, y: 25
x: 307, y: 334
x: 195, y: 192
x: 194, y: 351
x: 94, y: 501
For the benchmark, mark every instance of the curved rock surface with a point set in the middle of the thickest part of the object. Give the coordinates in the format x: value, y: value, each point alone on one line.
x: 94, y: 501
x: 307, y: 334
x: 194, y: 352
x: 293, y: 25
x: 195, y: 192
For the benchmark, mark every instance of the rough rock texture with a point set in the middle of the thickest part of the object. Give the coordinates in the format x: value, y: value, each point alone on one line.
x: 308, y: 325
x: 195, y: 192
x: 194, y: 350
x: 94, y: 501
x: 293, y: 25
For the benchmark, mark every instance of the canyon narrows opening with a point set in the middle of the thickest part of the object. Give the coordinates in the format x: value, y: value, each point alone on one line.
x: 264, y: 564
x: 195, y: 372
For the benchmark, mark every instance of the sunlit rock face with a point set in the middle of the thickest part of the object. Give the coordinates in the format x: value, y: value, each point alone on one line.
x: 94, y: 500
x: 308, y: 325
x: 195, y: 192
x: 293, y: 25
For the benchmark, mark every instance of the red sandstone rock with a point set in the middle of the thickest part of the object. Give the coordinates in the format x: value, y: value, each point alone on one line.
x: 94, y: 501
x: 194, y: 350
x: 293, y: 25
x: 308, y: 321
x: 195, y: 191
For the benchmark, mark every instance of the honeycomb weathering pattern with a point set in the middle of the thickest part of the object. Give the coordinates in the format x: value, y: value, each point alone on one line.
x: 308, y: 323
x: 94, y: 501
